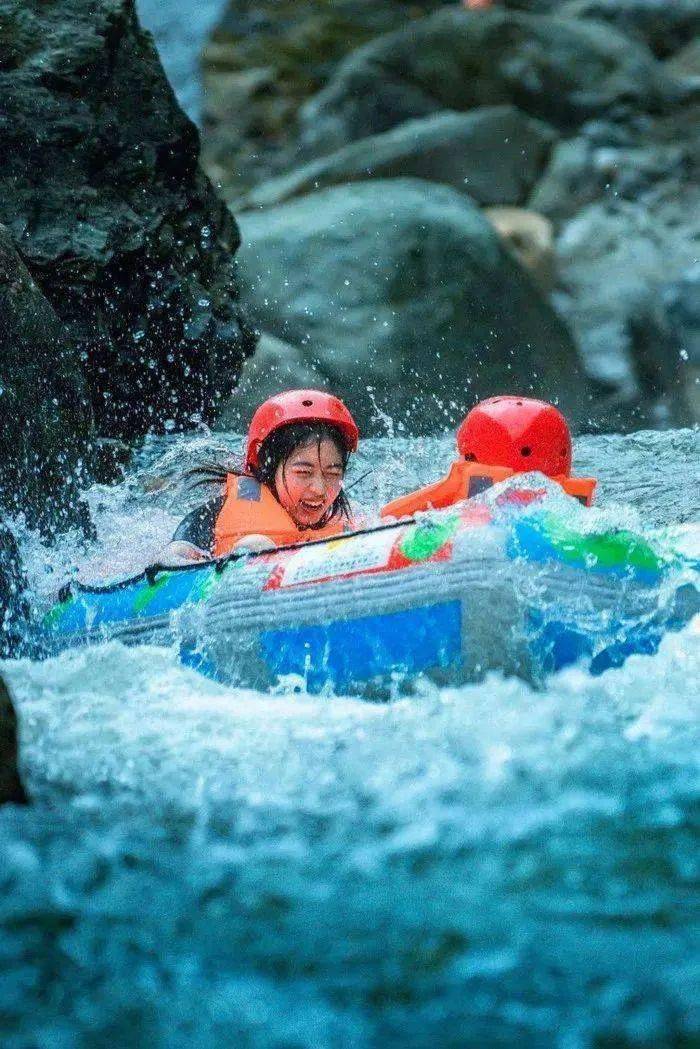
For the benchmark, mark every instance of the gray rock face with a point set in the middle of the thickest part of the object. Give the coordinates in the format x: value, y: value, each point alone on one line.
x: 559, y: 70
x: 46, y: 418
x: 681, y: 300
x: 581, y: 172
x: 11, y: 788
x: 264, y: 59
x: 121, y: 232
x: 401, y: 295
x: 686, y: 62
x: 495, y: 155
x: 664, y: 25
x: 615, y: 261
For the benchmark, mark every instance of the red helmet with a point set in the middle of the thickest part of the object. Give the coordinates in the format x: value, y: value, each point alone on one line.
x: 518, y: 432
x: 298, y: 406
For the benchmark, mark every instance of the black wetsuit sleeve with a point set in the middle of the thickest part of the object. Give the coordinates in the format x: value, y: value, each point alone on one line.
x: 198, y: 527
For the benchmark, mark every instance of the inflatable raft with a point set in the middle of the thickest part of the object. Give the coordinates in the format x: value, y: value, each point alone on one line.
x: 486, y: 585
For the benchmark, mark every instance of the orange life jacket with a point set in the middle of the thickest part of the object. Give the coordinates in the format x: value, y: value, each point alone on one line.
x: 250, y: 508
x: 466, y: 479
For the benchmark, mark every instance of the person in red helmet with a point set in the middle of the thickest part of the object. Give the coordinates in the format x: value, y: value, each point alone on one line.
x: 499, y: 438
x: 290, y: 488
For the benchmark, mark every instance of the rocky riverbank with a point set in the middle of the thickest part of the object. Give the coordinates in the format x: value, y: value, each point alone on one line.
x: 124, y: 252
x: 574, y: 129
x: 119, y: 301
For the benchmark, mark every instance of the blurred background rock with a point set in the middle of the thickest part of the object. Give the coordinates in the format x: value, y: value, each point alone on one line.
x: 571, y: 127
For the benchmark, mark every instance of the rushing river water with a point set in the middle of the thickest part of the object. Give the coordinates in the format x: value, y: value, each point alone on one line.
x: 483, y: 866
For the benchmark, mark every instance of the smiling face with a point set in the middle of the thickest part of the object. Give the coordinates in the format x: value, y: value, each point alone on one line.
x: 309, y: 480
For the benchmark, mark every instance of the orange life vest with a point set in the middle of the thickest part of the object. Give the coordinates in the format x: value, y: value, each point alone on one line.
x: 467, y: 479
x: 250, y: 508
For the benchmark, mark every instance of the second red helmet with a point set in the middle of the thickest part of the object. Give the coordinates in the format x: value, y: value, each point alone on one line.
x: 520, y: 433
x: 296, y: 406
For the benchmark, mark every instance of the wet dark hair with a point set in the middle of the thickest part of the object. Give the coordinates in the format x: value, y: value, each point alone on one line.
x: 274, y: 452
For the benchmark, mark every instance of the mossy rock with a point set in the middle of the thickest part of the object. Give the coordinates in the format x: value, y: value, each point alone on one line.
x: 264, y: 60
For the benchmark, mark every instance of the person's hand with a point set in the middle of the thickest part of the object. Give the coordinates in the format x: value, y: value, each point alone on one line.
x: 254, y: 544
x: 180, y: 552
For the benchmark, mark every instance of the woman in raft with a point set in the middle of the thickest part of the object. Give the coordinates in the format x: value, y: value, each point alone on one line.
x: 499, y: 438
x: 290, y: 489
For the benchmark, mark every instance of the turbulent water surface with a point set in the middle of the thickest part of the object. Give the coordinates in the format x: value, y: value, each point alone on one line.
x: 489, y: 865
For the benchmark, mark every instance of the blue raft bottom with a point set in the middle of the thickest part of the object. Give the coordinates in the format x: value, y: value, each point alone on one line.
x: 359, y: 649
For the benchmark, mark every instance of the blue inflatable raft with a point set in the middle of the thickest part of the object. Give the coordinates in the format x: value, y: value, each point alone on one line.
x: 456, y: 593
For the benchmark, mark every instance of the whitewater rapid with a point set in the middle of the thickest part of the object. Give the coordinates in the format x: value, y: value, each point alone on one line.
x: 485, y: 865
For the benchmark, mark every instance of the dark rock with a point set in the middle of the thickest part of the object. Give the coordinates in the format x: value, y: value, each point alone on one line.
x: 660, y: 367
x: 110, y: 459
x: 682, y: 306
x: 682, y: 301
x: 122, y: 233
x: 494, y: 154
x: 461, y: 60
x: 686, y: 62
x: 46, y: 418
x: 581, y: 172
x: 14, y: 607
x: 615, y: 259
x: 401, y: 295
x: 11, y: 788
x: 664, y: 25
x: 275, y: 366
x: 533, y: 7
x: 263, y: 60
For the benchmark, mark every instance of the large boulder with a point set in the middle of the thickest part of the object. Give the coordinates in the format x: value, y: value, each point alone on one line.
x: 559, y: 70
x: 264, y: 58
x: 592, y: 167
x: 664, y: 26
x: 46, y: 419
x: 615, y: 260
x: 121, y: 232
x: 11, y: 788
x: 495, y: 154
x: 400, y: 293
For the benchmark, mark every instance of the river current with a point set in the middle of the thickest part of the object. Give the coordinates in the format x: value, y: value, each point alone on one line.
x: 485, y: 865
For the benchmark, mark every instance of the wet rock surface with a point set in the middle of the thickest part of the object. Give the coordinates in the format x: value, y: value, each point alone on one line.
x: 11, y: 789
x: 46, y: 420
x: 11, y: 785
x: 121, y: 232
x: 14, y: 605
x: 402, y: 296
x: 495, y: 154
x: 615, y: 261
